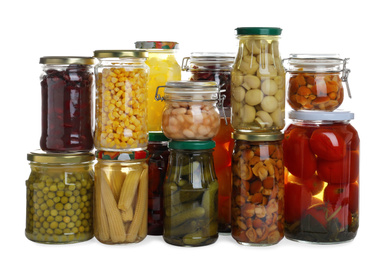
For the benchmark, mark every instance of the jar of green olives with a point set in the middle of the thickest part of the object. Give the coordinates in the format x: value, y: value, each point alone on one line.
x: 60, y: 197
x: 191, y: 195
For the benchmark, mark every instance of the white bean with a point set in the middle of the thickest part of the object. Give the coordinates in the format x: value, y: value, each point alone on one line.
x: 252, y: 81
x: 278, y: 117
x: 249, y: 113
x: 239, y: 93
x: 188, y: 133
x: 265, y: 117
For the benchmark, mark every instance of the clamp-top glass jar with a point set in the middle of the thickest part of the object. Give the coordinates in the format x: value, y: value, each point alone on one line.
x: 121, y: 100
x: 191, y: 111
x: 163, y: 68
x: 212, y: 66
x: 258, y: 81
x: 315, y: 81
x: 60, y: 197
x: 67, y: 104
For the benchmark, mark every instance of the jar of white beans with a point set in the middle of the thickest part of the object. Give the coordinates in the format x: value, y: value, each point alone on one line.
x: 191, y: 110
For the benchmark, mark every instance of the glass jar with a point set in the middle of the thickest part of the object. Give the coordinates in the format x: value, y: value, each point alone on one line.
x: 67, y: 104
x: 191, y: 195
x: 222, y: 165
x: 191, y: 111
x: 121, y: 197
x: 158, y: 165
x: 321, y: 152
x: 315, y: 81
x: 60, y: 197
x: 121, y: 100
x: 258, y: 187
x: 163, y: 68
x: 258, y: 81
x: 212, y: 66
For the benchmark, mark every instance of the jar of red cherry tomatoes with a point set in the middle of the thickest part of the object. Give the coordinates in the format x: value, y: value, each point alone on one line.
x: 67, y: 103
x: 321, y: 153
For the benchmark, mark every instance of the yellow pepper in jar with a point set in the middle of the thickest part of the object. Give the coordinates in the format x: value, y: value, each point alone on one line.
x: 121, y: 109
x: 163, y: 68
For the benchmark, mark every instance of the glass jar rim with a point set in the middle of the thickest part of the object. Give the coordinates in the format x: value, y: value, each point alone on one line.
x: 122, y: 156
x: 120, y: 54
x: 157, y: 45
x: 66, y: 60
x: 40, y: 156
x: 336, y: 115
x: 257, y: 136
x: 191, y: 145
x: 194, y: 87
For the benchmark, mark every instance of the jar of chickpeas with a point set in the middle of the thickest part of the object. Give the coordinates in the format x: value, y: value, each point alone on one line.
x: 59, y: 197
x: 121, y: 100
x: 258, y: 81
x: 315, y: 81
x: 121, y: 197
x: 191, y: 111
x: 163, y: 68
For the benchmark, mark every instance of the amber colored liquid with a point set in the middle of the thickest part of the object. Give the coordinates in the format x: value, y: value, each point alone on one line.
x: 222, y: 163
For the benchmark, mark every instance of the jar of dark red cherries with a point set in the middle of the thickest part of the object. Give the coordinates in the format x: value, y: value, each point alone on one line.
x: 211, y: 66
x: 158, y: 165
x: 67, y: 104
x: 321, y: 154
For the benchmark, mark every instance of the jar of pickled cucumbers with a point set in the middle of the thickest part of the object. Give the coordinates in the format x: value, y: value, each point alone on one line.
x: 258, y: 81
x: 121, y: 197
x: 121, y: 100
x: 59, y: 197
x: 191, y: 195
x: 158, y: 165
x: 67, y: 104
x: 321, y: 152
x: 315, y: 81
x: 191, y: 110
x: 212, y: 66
x: 258, y: 186
x: 163, y: 68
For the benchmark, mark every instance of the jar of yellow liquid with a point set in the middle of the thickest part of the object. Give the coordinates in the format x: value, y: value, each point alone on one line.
x: 163, y: 68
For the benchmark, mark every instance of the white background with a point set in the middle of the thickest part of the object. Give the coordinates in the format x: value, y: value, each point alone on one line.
x: 31, y: 29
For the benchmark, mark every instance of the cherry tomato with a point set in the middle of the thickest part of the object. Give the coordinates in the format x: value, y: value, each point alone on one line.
x: 298, y: 157
x: 320, y: 212
x: 341, y: 171
x: 297, y: 200
x: 328, y: 144
x: 354, y: 197
x: 314, y: 184
x: 342, y: 195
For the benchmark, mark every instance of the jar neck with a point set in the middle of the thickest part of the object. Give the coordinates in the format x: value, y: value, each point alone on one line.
x: 114, y: 61
x: 259, y: 37
x: 319, y: 122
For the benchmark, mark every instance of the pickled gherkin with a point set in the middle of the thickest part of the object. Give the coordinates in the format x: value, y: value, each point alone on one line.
x: 191, y: 195
x: 59, y: 198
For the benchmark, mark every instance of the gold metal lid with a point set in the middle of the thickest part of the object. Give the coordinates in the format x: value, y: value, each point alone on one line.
x: 120, y: 54
x: 62, y: 60
x: 257, y: 136
x: 40, y: 156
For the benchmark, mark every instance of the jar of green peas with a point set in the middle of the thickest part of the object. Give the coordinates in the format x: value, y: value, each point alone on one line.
x: 60, y: 197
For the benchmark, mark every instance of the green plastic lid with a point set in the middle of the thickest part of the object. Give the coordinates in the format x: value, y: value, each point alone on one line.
x: 191, y: 145
x: 259, y: 31
x: 157, y: 137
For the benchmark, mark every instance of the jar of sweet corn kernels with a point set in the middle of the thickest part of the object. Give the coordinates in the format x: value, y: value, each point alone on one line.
x: 121, y: 100
x: 163, y: 68
x: 59, y: 197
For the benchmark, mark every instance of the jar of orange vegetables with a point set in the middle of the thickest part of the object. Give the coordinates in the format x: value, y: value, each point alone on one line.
x: 163, y: 68
x: 315, y: 81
